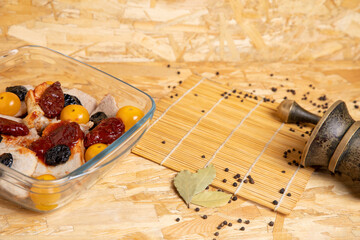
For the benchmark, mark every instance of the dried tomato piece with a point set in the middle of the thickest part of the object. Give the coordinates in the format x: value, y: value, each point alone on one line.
x: 52, y: 100
x: 62, y: 133
x: 106, y: 132
x: 9, y: 127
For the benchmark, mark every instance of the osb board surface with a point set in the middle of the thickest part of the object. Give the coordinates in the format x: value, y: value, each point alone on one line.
x: 136, y: 200
x: 202, y: 122
x: 188, y: 30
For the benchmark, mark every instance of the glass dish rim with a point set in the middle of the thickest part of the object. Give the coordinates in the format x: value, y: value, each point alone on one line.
x: 83, y: 169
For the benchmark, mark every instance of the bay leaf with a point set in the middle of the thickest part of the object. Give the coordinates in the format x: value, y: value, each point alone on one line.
x: 204, y: 178
x: 211, y: 199
x: 185, y: 183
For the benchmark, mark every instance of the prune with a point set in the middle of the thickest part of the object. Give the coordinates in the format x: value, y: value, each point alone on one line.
x: 106, y: 132
x: 56, y: 155
x: 20, y: 91
x: 71, y: 100
x: 96, y: 118
x: 6, y: 159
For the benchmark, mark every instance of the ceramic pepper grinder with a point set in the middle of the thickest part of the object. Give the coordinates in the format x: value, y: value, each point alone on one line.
x: 335, y: 140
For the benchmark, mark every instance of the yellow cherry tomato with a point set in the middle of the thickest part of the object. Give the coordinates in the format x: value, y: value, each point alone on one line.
x: 74, y: 113
x: 129, y: 115
x: 50, y: 82
x: 9, y: 103
x: 94, y: 150
x: 45, y: 197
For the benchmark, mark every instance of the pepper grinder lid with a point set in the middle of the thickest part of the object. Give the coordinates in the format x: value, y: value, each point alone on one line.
x: 329, y: 129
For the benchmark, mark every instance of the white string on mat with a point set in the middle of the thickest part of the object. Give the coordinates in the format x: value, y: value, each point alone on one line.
x: 232, y: 132
x: 258, y: 157
x: 287, y: 187
x: 178, y: 100
x: 188, y: 133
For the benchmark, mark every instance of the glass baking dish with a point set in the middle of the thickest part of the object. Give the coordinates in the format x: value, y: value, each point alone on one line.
x: 32, y: 65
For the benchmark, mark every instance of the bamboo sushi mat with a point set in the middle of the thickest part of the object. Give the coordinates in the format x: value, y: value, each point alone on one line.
x: 203, y: 122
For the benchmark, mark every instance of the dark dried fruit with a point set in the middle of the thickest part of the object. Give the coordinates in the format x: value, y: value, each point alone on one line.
x: 271, y: 223
x: 96, y: 118
x: 106, y: 132
x: 20, y: 91
x: 6, y: 159
x: 56, y: 155
x: 71, y: 100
